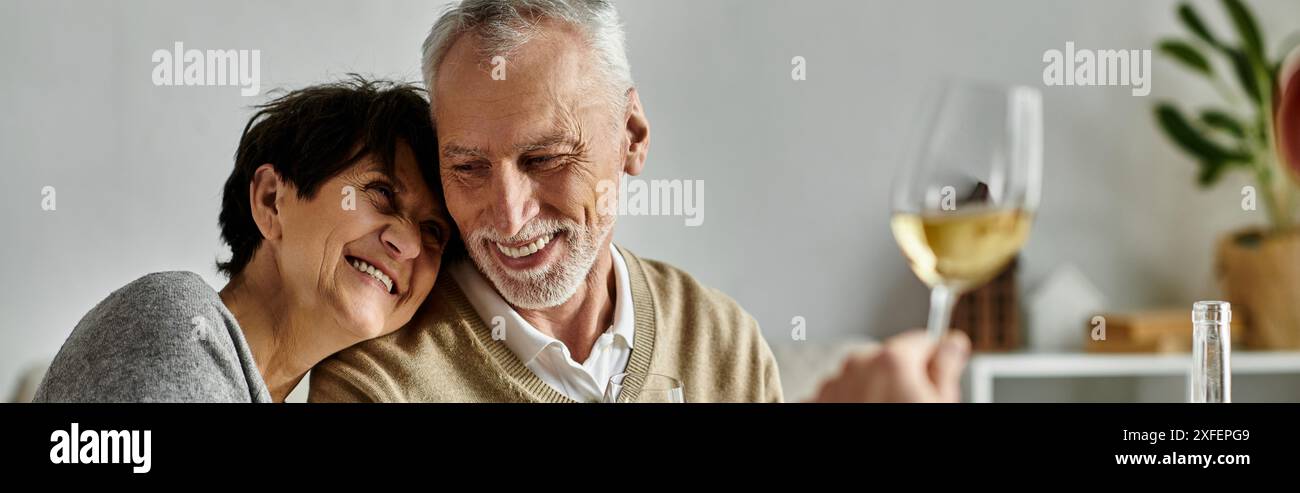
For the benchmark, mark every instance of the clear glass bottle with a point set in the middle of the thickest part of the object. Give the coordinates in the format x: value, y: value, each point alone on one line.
x: 1211, y: 378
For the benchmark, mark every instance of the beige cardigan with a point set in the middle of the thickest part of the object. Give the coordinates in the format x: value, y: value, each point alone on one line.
x: 447, y: 353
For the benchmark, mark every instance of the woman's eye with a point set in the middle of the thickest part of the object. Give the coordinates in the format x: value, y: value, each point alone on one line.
x: 432, y: 232
x: 383, y: 189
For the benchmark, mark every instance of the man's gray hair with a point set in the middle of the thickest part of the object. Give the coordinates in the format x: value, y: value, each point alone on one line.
x: 503, y: 26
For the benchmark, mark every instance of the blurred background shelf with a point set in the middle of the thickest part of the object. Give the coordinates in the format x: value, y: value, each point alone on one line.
x: 1092, y: 377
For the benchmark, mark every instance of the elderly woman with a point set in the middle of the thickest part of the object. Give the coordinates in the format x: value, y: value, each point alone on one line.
x: 336, y: 226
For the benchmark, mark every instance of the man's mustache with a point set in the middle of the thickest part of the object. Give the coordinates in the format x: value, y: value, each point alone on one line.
x: 534, y: 229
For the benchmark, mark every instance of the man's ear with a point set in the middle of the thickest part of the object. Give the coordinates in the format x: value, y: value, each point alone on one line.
x: 264, y: 193
x: 637, y: 132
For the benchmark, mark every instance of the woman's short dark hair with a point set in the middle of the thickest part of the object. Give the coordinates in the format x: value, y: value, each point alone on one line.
x: 312, y: 134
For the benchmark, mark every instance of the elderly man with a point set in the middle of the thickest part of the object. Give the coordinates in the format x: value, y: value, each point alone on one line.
x: 536, y: 115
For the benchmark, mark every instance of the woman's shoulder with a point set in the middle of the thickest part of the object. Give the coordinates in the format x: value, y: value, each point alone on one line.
x: 176, y: 286
x: 165, y: 336
x: 154, y: 303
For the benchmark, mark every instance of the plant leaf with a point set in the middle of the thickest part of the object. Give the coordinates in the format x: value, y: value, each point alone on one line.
x: 1247, y: 29
x: 1193, y: 22
x: 1210, y: 173
x: 1187, y: 54
x: 1190, y: 140
x: 1245, y: 73
x: 1222, y: 121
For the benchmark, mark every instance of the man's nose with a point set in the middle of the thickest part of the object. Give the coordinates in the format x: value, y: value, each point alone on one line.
x: 513, y: 203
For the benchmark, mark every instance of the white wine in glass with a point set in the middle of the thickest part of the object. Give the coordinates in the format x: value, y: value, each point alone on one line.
x: 962, y: 250
x: 963, y: 206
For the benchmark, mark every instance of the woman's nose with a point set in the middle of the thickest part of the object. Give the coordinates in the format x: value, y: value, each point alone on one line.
x: 401, y: 240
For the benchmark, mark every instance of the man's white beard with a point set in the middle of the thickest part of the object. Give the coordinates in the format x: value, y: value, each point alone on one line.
x: 549, y: 285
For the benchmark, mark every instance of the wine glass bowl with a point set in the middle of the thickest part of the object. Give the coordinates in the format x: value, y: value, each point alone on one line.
x: 964, y: 202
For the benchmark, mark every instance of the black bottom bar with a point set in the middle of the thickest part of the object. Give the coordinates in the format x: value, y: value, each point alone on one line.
x: 360, y: 441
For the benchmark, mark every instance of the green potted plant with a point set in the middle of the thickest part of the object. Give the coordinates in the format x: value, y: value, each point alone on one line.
x: 1255, y: 132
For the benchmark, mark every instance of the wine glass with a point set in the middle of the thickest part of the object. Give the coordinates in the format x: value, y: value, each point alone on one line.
x: 653, y: 388
x: 964, y: 202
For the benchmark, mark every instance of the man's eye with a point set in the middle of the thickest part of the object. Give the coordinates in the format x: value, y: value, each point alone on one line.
x: 466, y: 168
x: 543, y: 162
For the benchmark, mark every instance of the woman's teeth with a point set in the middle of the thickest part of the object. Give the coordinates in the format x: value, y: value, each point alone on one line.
x: 528, y: 249
x: 366, y: 268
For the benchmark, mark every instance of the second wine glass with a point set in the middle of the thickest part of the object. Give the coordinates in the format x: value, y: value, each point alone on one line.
x: 651, y: 387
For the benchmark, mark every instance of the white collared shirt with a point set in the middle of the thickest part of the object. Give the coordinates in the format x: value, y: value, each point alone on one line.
x: 548, y: 357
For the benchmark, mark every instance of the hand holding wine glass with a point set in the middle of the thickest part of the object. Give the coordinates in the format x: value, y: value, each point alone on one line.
x: 909, y: 367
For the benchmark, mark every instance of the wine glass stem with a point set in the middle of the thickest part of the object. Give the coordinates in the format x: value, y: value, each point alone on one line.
x: 942, y: 300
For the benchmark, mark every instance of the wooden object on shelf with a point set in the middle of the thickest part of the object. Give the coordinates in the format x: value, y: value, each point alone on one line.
x: 1149, y: 331
x: 990, y: 314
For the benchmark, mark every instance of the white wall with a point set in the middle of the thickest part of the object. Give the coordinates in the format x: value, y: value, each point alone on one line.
x: 797, y: 174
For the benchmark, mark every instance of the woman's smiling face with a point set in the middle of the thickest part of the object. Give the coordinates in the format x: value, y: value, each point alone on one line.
x: 365, y: 250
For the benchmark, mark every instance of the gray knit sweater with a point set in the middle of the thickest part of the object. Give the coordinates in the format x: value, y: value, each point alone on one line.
x: 166, y: 337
